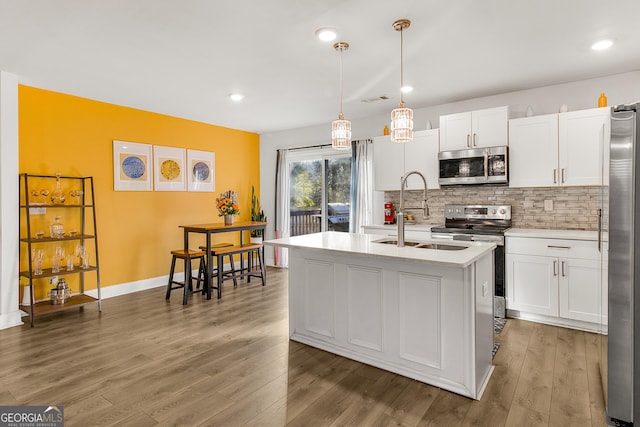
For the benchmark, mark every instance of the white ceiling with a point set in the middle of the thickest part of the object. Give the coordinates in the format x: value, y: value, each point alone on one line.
x: 184, y: 57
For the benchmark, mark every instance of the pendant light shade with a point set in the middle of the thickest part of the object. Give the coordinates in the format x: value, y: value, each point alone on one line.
x: 341, y: 128
x: 401, y: 117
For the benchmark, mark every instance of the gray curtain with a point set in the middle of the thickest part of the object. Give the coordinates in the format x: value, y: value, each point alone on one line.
x: 281, y: 258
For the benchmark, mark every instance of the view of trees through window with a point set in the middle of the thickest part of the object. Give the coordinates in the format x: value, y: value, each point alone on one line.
x: 307, y: 186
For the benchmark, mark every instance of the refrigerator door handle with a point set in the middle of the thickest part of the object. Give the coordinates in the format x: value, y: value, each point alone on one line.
x: 599, y: 229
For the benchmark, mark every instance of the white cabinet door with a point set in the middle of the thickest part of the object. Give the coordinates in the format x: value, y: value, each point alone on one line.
x: 532, y: 284
x: 582, y: 135
x: 388, y: 164
x: 533, y: 151
x: 579, y: 290
x: 421, y: 155
x: 455, y: 131
x: 489, y: 127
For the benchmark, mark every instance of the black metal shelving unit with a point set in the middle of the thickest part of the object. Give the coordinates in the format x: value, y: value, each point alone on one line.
x: 86, y: 234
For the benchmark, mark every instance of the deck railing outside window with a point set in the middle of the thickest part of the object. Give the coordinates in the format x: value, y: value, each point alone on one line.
x: 305, y: 221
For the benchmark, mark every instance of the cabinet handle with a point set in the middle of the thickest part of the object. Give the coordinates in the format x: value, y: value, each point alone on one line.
x: 555, y: 176
x: 468, y: 141
x: 564, y: 177
x: 555, y: 267
x: 559, y: 247
x: 475, y: 143
x: 563, y: 272
x: 486, y: 165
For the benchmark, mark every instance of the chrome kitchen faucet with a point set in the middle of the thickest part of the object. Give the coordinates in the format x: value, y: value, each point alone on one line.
x: 400, y: 213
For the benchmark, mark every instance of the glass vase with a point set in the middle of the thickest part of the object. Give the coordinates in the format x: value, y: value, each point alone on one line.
x: 228, y: 220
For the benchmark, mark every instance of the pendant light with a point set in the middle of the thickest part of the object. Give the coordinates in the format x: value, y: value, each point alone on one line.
x: 341, y: 128
x: 401, y: 117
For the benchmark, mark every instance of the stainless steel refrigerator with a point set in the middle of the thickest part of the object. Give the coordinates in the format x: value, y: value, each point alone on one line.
x: 620, y: 365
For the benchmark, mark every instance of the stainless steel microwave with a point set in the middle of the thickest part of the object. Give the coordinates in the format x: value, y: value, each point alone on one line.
x: 476, y: 166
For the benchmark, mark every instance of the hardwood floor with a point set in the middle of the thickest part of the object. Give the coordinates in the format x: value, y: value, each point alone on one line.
x: 230, y: 363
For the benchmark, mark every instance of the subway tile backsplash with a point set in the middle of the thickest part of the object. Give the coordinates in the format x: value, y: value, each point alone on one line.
x: 574, y: 208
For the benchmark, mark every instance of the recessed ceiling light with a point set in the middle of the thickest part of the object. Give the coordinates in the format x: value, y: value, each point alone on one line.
x: 236, y: 97
x: 602, y: 45
x: 326, y: 34
x: 406, y: 89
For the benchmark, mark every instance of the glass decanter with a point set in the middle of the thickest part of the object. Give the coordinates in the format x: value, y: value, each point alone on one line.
x: 57, y: 196
x: 57, y: 228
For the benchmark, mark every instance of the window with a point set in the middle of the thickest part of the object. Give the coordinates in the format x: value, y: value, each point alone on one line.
x: 320, y: 192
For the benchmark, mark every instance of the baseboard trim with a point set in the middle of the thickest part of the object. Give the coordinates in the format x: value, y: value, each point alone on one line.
x: 558, y: 321
x: 9, y: 320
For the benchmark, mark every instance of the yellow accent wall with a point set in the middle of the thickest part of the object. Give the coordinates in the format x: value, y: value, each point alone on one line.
x: 136, y: 229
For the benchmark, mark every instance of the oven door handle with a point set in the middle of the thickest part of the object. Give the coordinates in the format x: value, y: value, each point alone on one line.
x: 442, y: 236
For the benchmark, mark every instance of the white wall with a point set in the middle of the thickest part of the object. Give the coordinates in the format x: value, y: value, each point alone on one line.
x: 9, y: 246
x: 579, y: 95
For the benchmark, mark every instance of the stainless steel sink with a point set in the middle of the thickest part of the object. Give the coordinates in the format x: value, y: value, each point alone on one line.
x: 435, y: 246
x: 441, y: 247
x: 394, y: 242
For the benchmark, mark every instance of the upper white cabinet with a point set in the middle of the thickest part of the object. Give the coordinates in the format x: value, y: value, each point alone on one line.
x: 474, y: 129
x: 563, y: 149
x: 582, y: 136
x: 391, y: 161
x: 388, y: 164
x: 533, y: 151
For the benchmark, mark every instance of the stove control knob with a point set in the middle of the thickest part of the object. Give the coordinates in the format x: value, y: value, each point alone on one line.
x: 503, y: 211
x: 493, y: 211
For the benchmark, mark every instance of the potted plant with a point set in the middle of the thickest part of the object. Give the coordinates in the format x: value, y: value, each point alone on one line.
x: 257, y: 214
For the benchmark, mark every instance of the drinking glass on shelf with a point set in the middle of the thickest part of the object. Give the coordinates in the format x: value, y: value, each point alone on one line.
x: 70, y: 259
x: 34, y: 195
x: 55, y: 263
x: 76, y: 194
x: 85, y: 260
x: 57, y: 259
x: 37, y: 261
x: 44, y: 193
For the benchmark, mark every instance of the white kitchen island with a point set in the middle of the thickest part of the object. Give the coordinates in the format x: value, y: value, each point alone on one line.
x: 423, y: 313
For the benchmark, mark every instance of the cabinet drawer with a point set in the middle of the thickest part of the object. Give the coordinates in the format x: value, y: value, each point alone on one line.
x: 581, y: 249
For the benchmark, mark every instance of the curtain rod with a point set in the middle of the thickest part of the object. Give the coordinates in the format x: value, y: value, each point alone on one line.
x: 309, y: 146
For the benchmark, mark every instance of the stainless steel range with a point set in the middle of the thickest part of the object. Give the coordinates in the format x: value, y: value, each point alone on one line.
x: 480, y: 223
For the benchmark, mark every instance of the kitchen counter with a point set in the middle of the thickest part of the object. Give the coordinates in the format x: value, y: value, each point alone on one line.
x: 552, y: 234
x: 365, y: 245
x: 423, y: 313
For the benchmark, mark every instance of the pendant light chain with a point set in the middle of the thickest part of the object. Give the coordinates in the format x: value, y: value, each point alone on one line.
x: 341, y: 115
x: 401, y: 68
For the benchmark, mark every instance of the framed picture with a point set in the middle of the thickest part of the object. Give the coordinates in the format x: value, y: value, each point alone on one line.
x: 168, y: 164
x: 132, y: 166
x: 201, y: 170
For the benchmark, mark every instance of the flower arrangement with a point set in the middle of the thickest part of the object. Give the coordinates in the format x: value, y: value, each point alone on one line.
x: 227, y: 203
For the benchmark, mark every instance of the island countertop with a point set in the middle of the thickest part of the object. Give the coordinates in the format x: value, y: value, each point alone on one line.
x: 365, y: 245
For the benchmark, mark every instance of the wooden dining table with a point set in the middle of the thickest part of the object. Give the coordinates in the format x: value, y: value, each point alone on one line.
x: 220, y: 227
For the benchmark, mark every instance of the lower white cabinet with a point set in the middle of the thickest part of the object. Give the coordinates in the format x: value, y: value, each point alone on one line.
x: 558, y: 278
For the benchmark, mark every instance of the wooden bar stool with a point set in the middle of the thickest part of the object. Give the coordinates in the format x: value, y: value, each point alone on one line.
x: 219, y: 268
x: 234, y: 274
x: 187, y: 285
